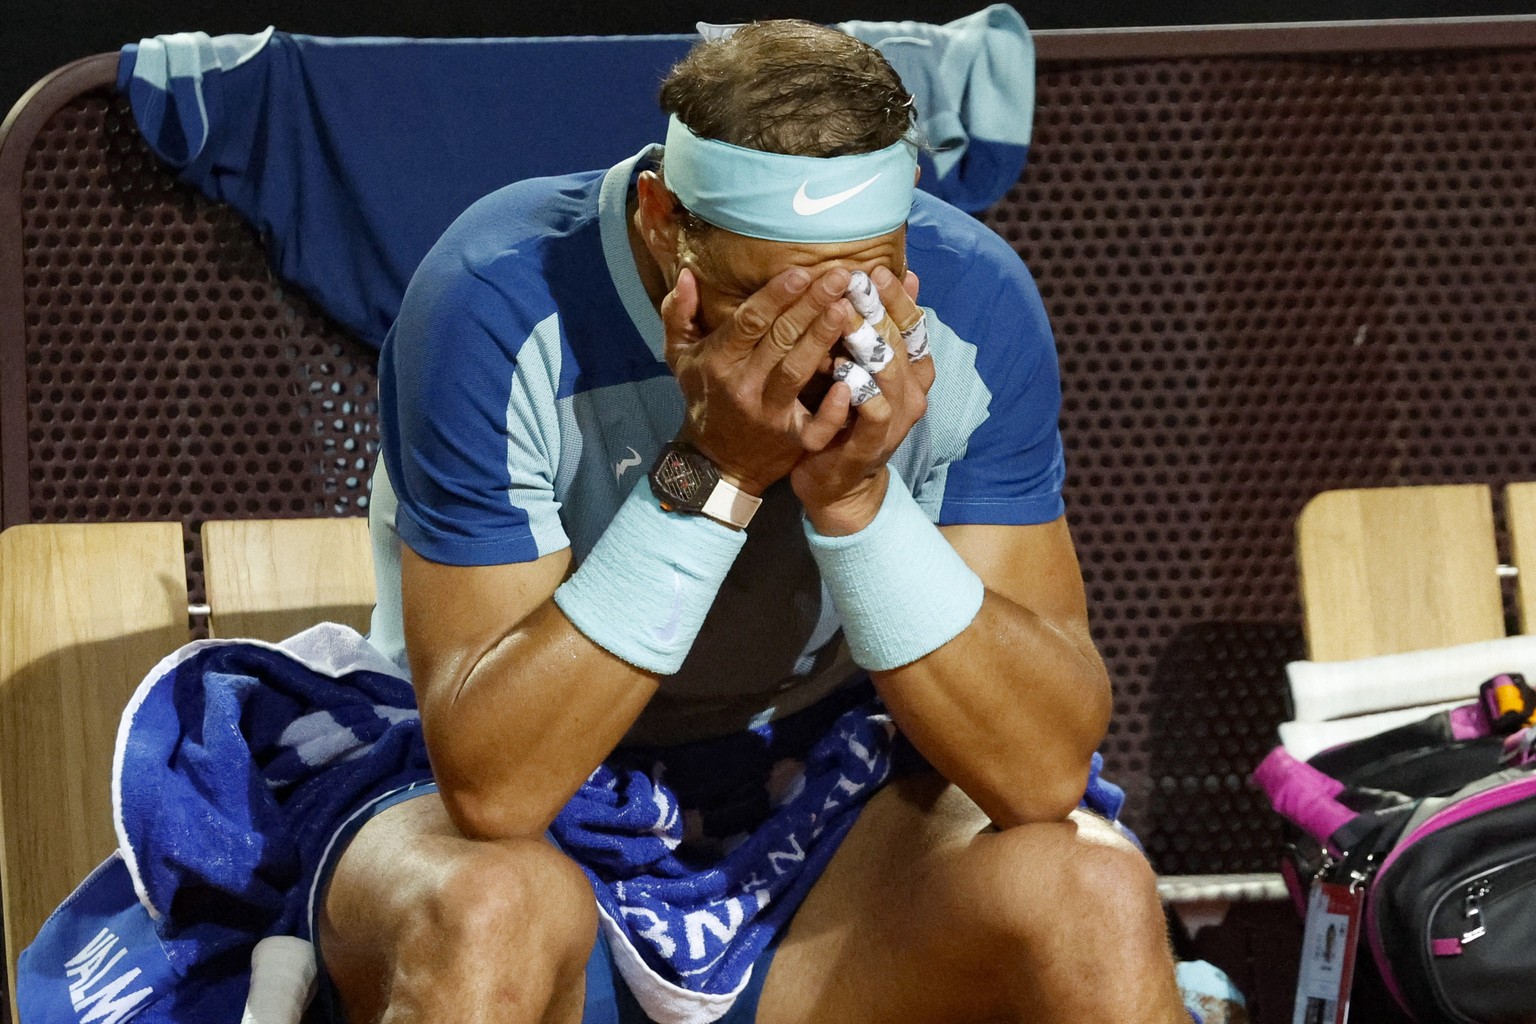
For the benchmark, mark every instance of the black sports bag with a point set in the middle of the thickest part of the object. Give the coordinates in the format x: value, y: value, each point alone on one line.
x: 1436, y: 821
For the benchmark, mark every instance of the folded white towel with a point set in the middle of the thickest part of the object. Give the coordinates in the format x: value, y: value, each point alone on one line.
x: 1322, y: 690
x: 1303, y: 739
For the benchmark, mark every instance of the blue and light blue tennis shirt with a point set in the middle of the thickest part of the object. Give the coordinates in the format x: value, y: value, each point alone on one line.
x: 523, y: 386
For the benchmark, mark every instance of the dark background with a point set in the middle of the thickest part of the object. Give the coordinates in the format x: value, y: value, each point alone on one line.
x: 37, y: 36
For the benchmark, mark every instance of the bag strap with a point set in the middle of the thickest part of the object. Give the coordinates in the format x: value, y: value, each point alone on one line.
x: 1309, y: 799
x: 1505, y: 706
x: 1304, y: 796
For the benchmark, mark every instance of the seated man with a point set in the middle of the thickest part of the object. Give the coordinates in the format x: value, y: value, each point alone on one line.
x: 558, y: 608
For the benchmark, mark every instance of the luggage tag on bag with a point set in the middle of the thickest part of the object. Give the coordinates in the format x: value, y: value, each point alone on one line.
x: 1328, y: 950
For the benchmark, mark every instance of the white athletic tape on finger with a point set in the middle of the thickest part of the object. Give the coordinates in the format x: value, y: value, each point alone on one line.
x: 869, y: 348
x: 866, y: 299
x: 867, y: 344
x: 858, y: 380
x: 916, y: 340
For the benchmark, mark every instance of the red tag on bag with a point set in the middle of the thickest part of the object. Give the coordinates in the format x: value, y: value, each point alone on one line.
x: 1328, y: 954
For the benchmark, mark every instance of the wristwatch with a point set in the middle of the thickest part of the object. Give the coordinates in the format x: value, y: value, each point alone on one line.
x: 684, y: 480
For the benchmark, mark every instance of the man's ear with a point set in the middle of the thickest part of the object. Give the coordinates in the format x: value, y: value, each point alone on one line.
x: 657, y: 220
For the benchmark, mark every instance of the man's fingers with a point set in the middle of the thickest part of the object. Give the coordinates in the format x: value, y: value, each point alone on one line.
x: 869, y: 348
x: 754, y: 317
x: 860, y: 383
x: 818, y: 431
x: 802, y: 320
x: 923, y: 371
x: 868, y: 437
x: 789, y: 377
x: 876, y: 430
x: 893, y: 295
x: 679, y: 312
x: 899, y: 299
x: 865, y: 296
x: 681, y: 304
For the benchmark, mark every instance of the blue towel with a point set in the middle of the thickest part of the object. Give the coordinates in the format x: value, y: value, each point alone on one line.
x: 237, y: 761
x: 735, y: 832
x: 974, y: 80
x: 352, y: 156
x: 234, y: 762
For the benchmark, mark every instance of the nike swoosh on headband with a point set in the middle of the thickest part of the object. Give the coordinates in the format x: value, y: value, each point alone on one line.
x: 805, y: 206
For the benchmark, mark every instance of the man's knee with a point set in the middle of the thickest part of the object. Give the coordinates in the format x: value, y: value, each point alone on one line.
x: 1108, y: 873
x: 501, y: 898
x: 445, y: 927
x: 1075, y: 877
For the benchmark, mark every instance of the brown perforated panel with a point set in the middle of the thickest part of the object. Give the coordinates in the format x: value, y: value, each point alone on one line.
x: 1269, y: 277
x: 169, y: 375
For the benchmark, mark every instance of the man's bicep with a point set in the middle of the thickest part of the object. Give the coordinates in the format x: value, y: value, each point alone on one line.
x: 1034, y: 566
x: 454, y: 614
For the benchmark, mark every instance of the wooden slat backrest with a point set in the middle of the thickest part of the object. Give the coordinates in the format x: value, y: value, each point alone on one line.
x: 1393, y: 569
x: 271, y: 578
x: 85, y: 612
x: 1520, y: 514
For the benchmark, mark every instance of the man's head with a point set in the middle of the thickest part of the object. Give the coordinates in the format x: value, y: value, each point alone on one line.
x: 790, y: 87
x: 837, y: 118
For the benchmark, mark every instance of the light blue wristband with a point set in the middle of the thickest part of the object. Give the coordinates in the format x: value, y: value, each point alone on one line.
x: 643, y: 591
x: 900, y: 589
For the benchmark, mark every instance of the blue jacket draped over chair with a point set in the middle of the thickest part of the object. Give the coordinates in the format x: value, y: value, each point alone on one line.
x: 351, y: 156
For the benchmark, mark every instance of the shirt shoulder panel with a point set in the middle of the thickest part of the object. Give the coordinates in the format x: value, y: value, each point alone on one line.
x: 1009, y: 468
x: 469, y: 378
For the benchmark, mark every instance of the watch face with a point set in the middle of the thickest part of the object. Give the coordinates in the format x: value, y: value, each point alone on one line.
x: 679, y: 480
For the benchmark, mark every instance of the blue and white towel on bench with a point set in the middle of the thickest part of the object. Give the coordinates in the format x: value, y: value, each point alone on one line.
x: 237, y: 761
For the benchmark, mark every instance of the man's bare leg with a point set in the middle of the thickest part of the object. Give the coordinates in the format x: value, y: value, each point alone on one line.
x: 919, y: 918
x: 422, y: 925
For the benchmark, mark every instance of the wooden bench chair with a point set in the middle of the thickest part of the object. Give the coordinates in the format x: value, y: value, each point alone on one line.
x: 1393, y: 569
x: 1385, y: 570
x: 85, y: 612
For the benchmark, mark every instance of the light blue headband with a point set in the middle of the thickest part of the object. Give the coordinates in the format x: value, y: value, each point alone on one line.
x: 786, y: 198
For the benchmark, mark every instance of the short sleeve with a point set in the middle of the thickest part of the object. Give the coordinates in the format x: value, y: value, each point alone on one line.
x: 469, y: 383
x: 1011, y: 468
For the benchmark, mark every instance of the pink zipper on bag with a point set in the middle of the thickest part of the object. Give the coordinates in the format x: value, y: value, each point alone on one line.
x: 1480, y: 803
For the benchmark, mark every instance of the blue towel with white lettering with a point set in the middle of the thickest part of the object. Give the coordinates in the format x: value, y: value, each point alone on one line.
x: 237, y: 761
x: 234, y: 761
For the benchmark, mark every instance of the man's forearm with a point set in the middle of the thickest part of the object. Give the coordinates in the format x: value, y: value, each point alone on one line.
x: 1010, y: 710
x: 533, y: 717
x: 515, y: 723
x: 1009, y: 702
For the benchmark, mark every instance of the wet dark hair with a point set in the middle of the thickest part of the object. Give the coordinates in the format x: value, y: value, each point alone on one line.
x: 791, y: 87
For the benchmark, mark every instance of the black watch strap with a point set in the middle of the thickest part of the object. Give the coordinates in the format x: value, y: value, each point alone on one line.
x: 684, y: 480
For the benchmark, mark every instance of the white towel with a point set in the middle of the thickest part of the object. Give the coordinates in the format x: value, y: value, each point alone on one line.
x: 1322, y: 690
